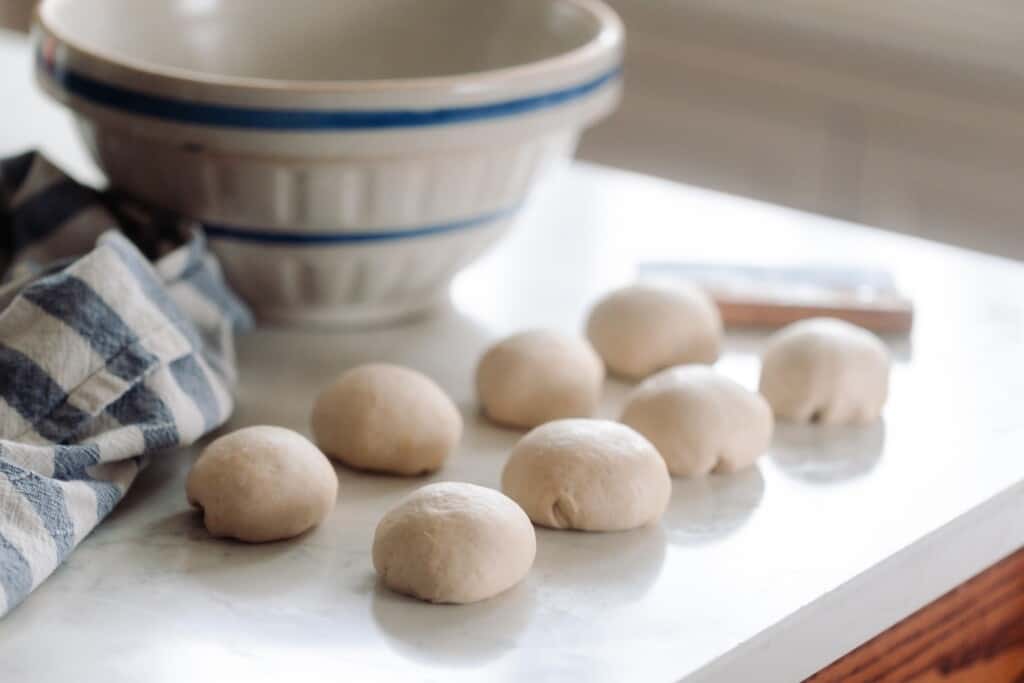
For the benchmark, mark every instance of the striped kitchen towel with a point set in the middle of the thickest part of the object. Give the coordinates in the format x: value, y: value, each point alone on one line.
x: 106, y: 356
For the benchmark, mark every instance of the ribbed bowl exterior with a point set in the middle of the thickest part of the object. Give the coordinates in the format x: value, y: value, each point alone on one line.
x: 385, y: 235
x: 333, y: 195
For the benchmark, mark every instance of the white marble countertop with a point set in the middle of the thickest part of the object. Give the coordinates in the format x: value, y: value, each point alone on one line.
x: 767, y: 575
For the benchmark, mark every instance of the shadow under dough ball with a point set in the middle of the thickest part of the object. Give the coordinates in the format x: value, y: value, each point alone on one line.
x: 386, y: 418
x: 591, y: 475
x: 538, y: 376
x: 644, y: 328
x: 262, y: 484
x: 454, y: 542
x: 825, y: 370
x: 700, y: 420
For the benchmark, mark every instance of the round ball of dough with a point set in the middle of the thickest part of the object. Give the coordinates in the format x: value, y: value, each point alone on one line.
x: 825, y: 370
x: 644, y: 328
x: 454, y: 542
x: 262, y: 484
x: 699, y: 420
x: 386, y: 418
x: 592, y: 475
x: 539, y: 376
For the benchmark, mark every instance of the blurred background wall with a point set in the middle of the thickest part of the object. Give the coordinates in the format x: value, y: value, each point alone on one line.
x: 16, y: 13
x: 906, y: 115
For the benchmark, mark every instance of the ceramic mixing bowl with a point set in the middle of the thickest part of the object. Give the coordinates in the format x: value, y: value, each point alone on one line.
x: 346, y: 158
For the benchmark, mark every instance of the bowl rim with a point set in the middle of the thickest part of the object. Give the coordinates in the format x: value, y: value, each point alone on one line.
x: 609, y: 37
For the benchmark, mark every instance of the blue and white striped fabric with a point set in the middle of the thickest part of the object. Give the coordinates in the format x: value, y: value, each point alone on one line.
x: 105, y: 358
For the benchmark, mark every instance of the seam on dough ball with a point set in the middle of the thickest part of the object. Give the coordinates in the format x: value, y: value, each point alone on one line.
x: 563, y: 512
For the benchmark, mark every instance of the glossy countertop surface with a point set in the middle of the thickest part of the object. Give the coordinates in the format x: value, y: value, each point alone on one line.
x: 765, y: 575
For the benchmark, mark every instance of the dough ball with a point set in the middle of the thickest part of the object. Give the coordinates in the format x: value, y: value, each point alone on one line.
x: 539, y: 376
x: 644, y: 328
x: 593, y: 475
x: 825, y: 370
x: 386, y: 418
x: 262, y: 484
x: 454, y: 542
x: 699, y: 420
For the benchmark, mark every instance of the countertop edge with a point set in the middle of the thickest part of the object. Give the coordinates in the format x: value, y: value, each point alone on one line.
x: 821, y: 632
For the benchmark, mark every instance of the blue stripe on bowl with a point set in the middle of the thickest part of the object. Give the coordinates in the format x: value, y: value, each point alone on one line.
x: 186, y: 111
x: 309, y: 239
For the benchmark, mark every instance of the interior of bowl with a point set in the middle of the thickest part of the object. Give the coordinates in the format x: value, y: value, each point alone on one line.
x: 314, y: 40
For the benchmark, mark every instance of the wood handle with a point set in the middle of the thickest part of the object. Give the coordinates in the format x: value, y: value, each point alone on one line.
x: 888, y: 319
